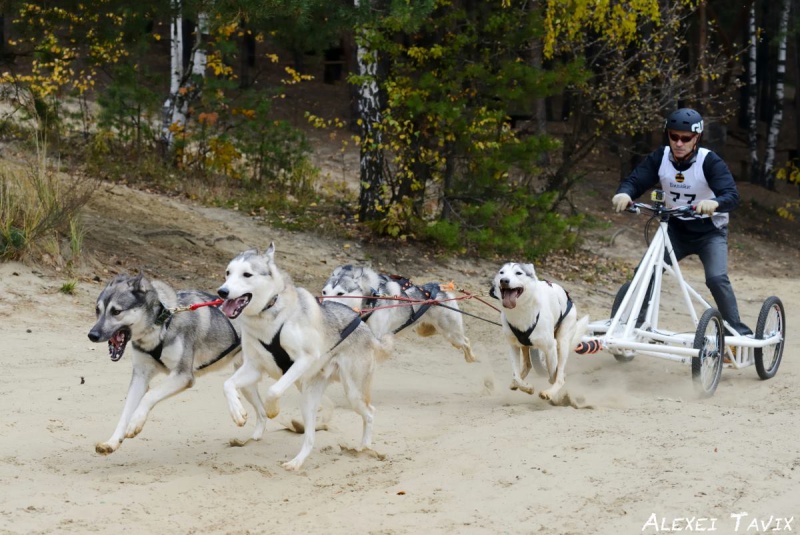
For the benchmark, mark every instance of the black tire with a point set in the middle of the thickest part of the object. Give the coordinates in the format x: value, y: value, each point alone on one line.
x: 619, y: 297
x: 771, y: 320
x: 617, y: 302
x: 710, y: 340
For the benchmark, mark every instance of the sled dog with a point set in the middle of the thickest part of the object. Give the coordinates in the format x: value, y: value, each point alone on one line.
x: 536, y: 314
x: 290, y: 336
x: 132, y: 310
x: 349, y: 281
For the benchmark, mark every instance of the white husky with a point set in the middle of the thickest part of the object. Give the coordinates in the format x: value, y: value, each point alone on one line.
x: 296, y: 340
x: 536, y: 314
x: 347, y: 282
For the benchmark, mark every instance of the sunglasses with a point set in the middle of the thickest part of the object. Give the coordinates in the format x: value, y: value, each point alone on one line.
x: 677, y: 137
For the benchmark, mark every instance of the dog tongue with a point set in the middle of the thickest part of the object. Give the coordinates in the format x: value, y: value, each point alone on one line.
x: 232, y: 307
x: 510, y: 298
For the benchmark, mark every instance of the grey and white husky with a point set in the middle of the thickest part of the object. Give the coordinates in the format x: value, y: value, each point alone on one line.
x: 290, y: 336
x: 348, y: 281
x: 134, y: 310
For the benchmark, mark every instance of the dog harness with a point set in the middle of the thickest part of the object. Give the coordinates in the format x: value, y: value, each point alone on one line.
x: 155, y: 353
x: 524, y: 337
x: 163, y: 318
x: 281, y: 356
x: 236, y: 343
x: 430, y: 291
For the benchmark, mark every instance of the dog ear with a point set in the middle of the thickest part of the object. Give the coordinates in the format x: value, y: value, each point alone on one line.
x: 529, y: 270
x: 270, y: 253
x: 138, y: 284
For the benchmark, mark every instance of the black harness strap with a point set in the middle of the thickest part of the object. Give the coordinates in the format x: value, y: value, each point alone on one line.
x: 156, y: 351
x: 370, y: 304
x: 524, y: 337
x: 352, y: 326
x: 373, y: 300
x: 221, y: 356
x: 281, y: 356
x: 563, y: 314
x: 430, y: 291
x: 236, y: 343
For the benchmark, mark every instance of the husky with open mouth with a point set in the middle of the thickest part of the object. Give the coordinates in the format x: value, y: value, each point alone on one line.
x: 290, y: 336
x: 133, y: 316
x: 536, y: 314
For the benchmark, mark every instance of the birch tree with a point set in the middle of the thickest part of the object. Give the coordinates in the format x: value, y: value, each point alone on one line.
x: 186, y: 81
x: 777, y: 103
x: 752, y: 95
x: 369, y: 111
x: 171, y: 120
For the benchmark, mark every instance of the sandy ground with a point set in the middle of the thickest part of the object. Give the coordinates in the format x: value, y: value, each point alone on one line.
x: 457, y: 451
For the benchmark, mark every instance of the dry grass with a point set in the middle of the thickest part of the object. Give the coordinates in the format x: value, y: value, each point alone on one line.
x: 39, y: 208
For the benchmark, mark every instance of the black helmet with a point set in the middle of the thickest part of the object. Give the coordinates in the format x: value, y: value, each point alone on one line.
x: 685, y: 120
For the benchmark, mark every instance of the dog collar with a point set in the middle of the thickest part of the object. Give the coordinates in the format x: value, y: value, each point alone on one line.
x: 163, y: 315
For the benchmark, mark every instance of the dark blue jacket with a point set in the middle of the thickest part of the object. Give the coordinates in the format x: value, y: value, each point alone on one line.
x: 717, y: 174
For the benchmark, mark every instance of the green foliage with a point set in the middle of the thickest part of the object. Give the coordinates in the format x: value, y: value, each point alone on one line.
x: 128, y: 108
x: 276, y: 150
x: 516, y: 224
x: 69, y: 287
x: 449, y: 92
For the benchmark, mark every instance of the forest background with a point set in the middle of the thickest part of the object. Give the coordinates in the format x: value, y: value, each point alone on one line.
x: 472, y: 120
x: 416, y: 137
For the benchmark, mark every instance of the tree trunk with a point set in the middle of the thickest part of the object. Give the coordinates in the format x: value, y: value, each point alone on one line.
x: 247, y: 55
x: 540, y: 103
x: 186, y: 81
x: 702, y: 44
x: 795, y: 157
x: 175, y: 74
x: 752, y: 97
x: 777, y: 103
x: 370, y: 201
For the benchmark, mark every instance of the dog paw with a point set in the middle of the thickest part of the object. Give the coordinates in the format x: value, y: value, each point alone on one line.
x: 293, y: 465
x: 237, y: 442
x: 272, y: 407
x: 238, y: 413
x: 105, y: 448
x: 516, y: 385
x: 549, y: 395
x: 134, y: 428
